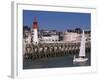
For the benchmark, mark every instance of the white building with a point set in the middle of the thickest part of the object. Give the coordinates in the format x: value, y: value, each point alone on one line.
x: 75, y: 37
x: 49, y: 39
x: 28, y: 39
x: 71, y: 37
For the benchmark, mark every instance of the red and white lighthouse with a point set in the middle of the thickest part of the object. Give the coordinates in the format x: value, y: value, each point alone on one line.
x: 35, y: 29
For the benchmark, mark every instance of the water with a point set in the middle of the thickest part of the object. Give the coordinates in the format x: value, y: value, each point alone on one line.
x: 54, y: 62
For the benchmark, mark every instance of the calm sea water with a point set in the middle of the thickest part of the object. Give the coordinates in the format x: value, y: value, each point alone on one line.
x: 54, y: 62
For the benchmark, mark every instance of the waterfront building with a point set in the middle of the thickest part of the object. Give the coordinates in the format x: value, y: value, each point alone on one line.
x: 48, y: 36
x: 28, y: 40
x: 71, y: 37
x: 49, y: 39
x: 74, y: 37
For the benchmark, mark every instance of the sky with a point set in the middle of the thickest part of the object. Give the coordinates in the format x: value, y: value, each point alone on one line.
x: 60, y: 21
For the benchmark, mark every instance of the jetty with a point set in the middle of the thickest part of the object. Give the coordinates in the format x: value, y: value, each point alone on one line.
x: 45, y: 50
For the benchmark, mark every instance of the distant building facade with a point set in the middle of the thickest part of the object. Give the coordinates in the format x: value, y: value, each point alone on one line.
x: 75, y: 37
x: 48, y: 36
x: 48, y: 39
x: 71, y: 37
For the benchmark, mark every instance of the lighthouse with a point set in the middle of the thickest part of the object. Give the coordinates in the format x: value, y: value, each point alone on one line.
x: 35, y: 31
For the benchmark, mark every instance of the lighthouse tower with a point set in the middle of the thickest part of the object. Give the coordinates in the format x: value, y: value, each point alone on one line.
x: 35, y: 31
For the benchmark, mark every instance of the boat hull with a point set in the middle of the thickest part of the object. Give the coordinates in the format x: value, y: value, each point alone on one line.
x: 80, y: 59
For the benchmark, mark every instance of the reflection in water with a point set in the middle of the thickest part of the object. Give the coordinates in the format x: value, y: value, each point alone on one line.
x: 80, y: 63
x: 54, y: 62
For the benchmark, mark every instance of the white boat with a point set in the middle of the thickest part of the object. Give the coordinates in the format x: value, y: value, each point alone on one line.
x: 82, y: 55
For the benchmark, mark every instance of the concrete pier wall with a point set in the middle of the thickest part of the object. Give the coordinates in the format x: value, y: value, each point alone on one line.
x: 45, y: 50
